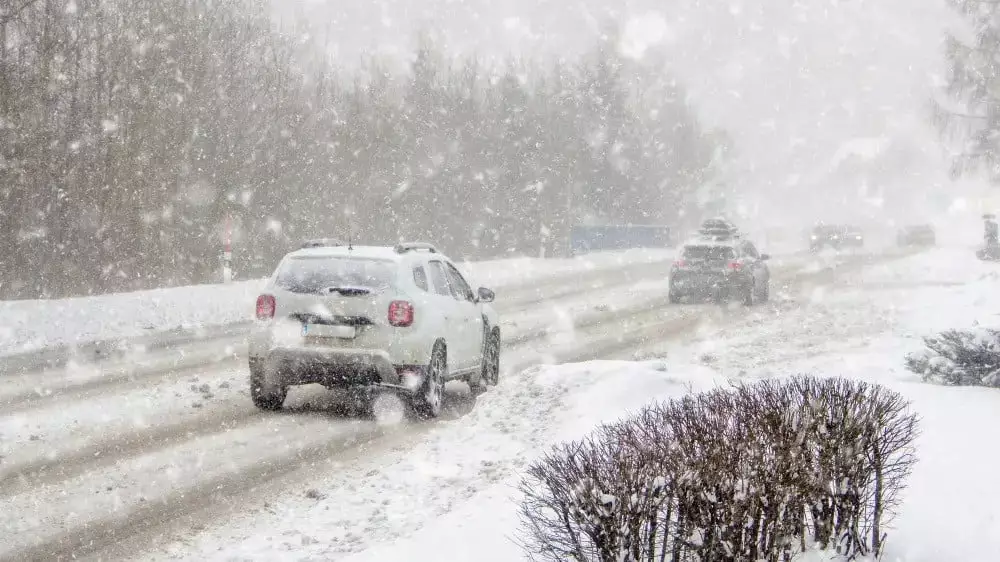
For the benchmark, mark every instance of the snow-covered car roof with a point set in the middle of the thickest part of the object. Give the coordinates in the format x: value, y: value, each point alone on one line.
x: 360, y: 252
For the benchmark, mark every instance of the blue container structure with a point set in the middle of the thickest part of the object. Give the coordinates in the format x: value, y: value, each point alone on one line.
x: 585, y: 239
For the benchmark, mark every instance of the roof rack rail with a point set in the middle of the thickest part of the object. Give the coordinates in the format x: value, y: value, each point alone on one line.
x: 404, y: 247
x: 321, y: 243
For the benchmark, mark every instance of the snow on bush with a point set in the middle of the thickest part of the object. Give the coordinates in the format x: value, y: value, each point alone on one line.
x: 959, y: 358
x: 766, y: 471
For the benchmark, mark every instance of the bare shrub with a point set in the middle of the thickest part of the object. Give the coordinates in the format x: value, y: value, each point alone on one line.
x: 959, y: 358
x: 755, y: 472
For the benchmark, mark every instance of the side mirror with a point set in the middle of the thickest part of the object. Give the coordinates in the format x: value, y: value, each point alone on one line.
x: 765, y: 257
x: 486, y: 295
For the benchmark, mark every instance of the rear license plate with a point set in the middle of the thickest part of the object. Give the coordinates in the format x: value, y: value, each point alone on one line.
x: 327, y: 331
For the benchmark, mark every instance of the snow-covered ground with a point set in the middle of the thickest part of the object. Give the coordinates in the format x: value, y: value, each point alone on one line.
x: 138, y: 457
x: 452, y: 496
x: 129, y: 454
x: 456, y: 487
x: 863, y: 329
x: 28, y: 325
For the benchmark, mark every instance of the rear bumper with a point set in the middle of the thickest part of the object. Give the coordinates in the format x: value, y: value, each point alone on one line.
x: 836, y: 243
x: 331, y: 367
x: 691, y: 284
x: 373, y: 357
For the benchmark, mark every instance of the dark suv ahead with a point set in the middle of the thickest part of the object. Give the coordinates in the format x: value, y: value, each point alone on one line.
x: 916, y: 235
x: 835, y: 236
x: 721, y: 270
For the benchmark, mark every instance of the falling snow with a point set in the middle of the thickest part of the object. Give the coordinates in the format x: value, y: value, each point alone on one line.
x: 157, y: 162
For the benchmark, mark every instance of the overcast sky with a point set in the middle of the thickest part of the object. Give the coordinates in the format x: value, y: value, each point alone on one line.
x: 792, y: 80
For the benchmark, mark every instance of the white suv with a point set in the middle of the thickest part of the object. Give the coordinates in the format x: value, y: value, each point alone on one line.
x: 402, y: 318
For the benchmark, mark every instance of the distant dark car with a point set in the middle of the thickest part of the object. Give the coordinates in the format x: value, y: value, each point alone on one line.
x: 916, y: 235
x: 835, y: 236
x: 721, y: 269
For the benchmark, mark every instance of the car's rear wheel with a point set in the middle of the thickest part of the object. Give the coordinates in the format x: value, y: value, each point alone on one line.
x: 673, y: 296
x: 265, y: 394
x: 748, y: 294
x: 429, y: 397
x: 765, y: 292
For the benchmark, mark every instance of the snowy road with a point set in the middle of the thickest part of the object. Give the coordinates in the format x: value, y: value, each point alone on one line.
x: 109, y: 463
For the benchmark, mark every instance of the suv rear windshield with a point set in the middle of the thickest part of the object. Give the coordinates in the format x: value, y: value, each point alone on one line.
x: 828, y: 230
x: 709, y: 253
x: 313, y: 275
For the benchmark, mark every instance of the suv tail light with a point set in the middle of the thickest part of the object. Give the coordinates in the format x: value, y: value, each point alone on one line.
x: 400, y: 314
x: 678, y: 263
x: 265, y: 307
x: 735, y: 266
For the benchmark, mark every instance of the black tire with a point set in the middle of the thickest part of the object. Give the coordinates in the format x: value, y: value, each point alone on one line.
x: 265, y: 397
x: 765, y: 293
x: 429, y: 398
x: 749, y: 294
x: 720, y: 296
x: 673, y: 296
x: 490, y: 371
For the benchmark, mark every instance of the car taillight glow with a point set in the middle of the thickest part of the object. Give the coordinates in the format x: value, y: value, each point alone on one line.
x: 265, y: 307
x: 678, y: 263
x: 734, y: 266
x: 400, y: 314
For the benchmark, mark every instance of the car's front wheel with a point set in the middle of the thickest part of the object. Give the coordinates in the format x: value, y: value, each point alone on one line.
x: 490, y: 371
x: 265, y: 394
x: 429, y: 398
x: 491, y: 361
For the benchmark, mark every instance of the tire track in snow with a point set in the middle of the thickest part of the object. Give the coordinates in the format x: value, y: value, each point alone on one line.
x: 157, y: 435
x: 37, y: 388
x: 135, y: 435
x: 49, y: 466
x: 610, y: 342
x: 111, y: 518
x: 100, y: 533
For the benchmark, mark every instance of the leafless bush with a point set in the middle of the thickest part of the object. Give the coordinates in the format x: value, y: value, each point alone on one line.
x: 959, y: 358
x: 755, y: 472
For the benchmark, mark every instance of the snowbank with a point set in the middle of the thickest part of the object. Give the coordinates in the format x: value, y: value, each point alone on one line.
x: 33, y: 324
x: 949, y: 511
x: 942, y: 266
x: 454, y: 487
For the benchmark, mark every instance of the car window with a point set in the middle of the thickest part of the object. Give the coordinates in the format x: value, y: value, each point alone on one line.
x: 750, y: 250
x: 439, y: 277
x: 420, y: 278
x: 458, y: 283
x: 316, y: 274
x: 709, y: 253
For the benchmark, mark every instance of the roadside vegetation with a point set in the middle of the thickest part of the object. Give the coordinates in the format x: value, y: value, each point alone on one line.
x: 134, y: 135
x: 760, y: 471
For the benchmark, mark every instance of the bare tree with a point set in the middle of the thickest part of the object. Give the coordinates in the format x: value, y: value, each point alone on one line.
x: 757, y: 472
x: 133, y: 131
